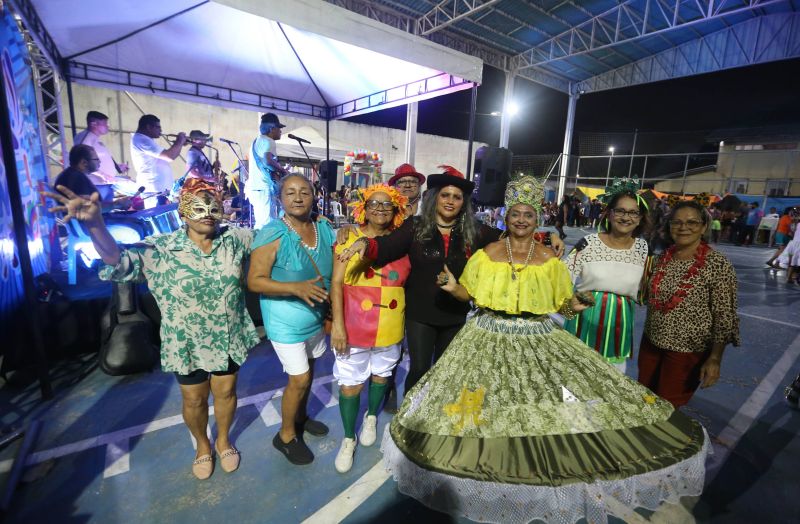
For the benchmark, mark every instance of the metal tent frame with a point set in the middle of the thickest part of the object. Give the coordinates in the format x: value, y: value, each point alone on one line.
x: 587, y: 46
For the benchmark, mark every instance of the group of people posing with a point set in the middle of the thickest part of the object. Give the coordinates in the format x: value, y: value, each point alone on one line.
x: 506, y: 415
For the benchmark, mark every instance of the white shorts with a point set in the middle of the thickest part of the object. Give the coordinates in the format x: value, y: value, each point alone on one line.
x: 356, y: 368
x: 295, y: 357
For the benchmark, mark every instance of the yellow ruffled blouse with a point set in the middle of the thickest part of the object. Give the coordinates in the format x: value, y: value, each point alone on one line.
x: 537, y: 289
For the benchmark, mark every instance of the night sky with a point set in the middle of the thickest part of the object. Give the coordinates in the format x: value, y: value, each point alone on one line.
x: 761, y: 95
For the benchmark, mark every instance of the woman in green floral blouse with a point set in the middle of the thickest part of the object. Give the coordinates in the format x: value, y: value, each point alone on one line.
x: 195, y: 275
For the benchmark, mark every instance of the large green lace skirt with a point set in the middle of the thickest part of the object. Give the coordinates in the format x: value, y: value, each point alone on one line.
x: 519, y: 420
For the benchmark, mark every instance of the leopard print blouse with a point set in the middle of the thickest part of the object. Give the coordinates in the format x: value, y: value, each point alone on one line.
x: 705, y: 317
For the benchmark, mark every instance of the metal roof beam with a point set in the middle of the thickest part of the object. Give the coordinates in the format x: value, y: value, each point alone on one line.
x: 395, y: 17
x: 611, y: 28
x: 448, y: 12
x: 746, y: 43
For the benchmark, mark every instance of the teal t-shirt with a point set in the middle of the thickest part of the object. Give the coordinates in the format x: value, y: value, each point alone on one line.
x: 289, y: 320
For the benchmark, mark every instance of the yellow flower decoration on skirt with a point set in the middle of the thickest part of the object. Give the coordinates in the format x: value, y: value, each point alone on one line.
x: 468, y: 408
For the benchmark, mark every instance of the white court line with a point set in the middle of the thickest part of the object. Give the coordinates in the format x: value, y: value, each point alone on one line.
x: 348, y: 500
x: 790, y: 324
x: 747, y: 414
x: 141, y: 429
x: 269, y: 413
x: 328, y: 397
x: 118, y: 458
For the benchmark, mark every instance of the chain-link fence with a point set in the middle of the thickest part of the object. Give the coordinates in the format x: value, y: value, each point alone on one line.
x: 759, y: 172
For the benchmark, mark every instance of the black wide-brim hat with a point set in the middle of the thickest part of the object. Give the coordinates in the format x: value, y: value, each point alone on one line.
x: 451, y: 177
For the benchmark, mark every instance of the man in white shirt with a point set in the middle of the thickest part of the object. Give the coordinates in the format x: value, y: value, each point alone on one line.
x: 265, y: 172
x: 96, y: 127
x: 151, y: 161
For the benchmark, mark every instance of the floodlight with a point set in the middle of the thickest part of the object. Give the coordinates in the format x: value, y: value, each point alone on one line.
x: 512, y: 108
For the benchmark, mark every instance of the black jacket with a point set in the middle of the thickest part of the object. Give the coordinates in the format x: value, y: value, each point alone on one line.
x: 425, y: 301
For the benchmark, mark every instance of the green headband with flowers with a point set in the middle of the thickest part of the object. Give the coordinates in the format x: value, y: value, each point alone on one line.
x: 623, y: 186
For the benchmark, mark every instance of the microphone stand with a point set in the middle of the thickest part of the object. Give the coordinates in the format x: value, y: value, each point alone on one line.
x: 326, y: 201
x: 244, y: 176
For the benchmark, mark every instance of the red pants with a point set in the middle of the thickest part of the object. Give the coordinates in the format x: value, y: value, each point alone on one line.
x: 671, y: 375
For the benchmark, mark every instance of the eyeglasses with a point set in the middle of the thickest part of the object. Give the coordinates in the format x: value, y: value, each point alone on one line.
x: 375, y: 205
x: 631, y: 213
x: 408, y: 183
x: 690, y: 224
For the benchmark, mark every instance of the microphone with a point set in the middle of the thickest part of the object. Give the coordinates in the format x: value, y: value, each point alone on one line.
x: 298, y: 138
x: 228, y: 141
x: 138, y: 192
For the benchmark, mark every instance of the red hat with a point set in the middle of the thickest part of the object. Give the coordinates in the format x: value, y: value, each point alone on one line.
x: 451, y: 177
x: 406, y: 170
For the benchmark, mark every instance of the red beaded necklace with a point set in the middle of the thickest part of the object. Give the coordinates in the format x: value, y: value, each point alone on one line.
x: 665, y: 306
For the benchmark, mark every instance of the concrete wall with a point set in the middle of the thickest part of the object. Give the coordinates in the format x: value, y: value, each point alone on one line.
x: 240, y: 125
x: 755, y: 167
x: 707, y: 182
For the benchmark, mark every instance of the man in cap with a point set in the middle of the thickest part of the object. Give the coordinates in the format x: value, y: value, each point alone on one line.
x: 197, y: 163
x: 265, y: 171
x: 96, y: 127
x: 409, y: 183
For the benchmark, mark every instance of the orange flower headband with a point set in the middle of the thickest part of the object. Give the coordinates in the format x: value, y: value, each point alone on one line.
x: 398, y: 201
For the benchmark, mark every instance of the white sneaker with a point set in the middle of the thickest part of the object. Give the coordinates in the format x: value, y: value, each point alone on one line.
x: 369, y: 430
x: 344, y: 459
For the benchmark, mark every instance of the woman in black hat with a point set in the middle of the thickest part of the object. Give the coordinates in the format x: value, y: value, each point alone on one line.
x: 445, y: 233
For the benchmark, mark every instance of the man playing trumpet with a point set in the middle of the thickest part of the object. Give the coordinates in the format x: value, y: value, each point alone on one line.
x: 151, y: 161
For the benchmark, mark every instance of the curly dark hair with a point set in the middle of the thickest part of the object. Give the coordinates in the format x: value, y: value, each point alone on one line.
x: 644, y: 219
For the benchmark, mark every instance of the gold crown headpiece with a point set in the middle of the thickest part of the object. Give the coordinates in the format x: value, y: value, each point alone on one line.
x: 525, y: 189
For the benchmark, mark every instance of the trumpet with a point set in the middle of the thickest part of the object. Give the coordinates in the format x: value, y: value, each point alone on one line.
x: 174, y: 137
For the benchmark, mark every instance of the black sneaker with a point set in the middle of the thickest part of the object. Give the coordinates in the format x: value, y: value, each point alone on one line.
x: 295, y: 450
x: 313, y: 427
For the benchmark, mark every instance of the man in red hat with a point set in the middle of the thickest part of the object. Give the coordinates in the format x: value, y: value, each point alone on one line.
x: 409, y: 183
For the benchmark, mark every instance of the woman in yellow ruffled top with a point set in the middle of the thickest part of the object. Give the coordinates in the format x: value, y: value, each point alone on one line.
x: 519, y: 420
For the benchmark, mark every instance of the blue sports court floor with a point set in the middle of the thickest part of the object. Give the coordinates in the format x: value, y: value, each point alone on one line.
x: 115, y: 449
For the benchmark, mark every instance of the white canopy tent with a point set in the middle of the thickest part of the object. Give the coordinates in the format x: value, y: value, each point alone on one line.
x: 304, y: 57
x: 316, y: 149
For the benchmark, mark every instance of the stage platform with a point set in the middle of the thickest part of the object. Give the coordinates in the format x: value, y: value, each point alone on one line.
x: 114, y: 449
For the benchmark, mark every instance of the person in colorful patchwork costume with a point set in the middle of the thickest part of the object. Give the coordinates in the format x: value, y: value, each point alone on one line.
x: 521, y: 421
x: 609, y: 265
x: 368, y: 317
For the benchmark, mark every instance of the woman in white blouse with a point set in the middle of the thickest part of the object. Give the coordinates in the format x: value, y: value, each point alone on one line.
x: 609, y: 265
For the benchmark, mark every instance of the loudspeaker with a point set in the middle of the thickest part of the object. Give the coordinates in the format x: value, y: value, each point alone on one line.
x: 328, y: 174
x: 492, y: 169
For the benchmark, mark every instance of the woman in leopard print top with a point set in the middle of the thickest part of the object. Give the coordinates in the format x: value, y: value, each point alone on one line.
x: 691, y: 310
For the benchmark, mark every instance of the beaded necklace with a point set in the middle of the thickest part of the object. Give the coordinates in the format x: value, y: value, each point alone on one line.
x: 665, y: 306
x: 515, y: 270
x: 316, y: 235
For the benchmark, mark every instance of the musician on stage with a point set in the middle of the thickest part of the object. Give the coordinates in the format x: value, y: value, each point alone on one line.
x: 108, y: 169
x: 151, y: 161
x: 198, y: 164
x: 83, y: 160
x: 265, y: 171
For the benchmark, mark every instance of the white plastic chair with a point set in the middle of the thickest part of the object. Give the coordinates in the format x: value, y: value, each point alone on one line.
x: 338, y: 217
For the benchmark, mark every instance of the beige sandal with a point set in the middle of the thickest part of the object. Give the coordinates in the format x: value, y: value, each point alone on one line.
x: 203, y: 467
x: 229, y: 459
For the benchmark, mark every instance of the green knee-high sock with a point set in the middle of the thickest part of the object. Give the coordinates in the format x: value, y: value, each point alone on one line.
x: 348, y: 408
x: 376, y: 394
